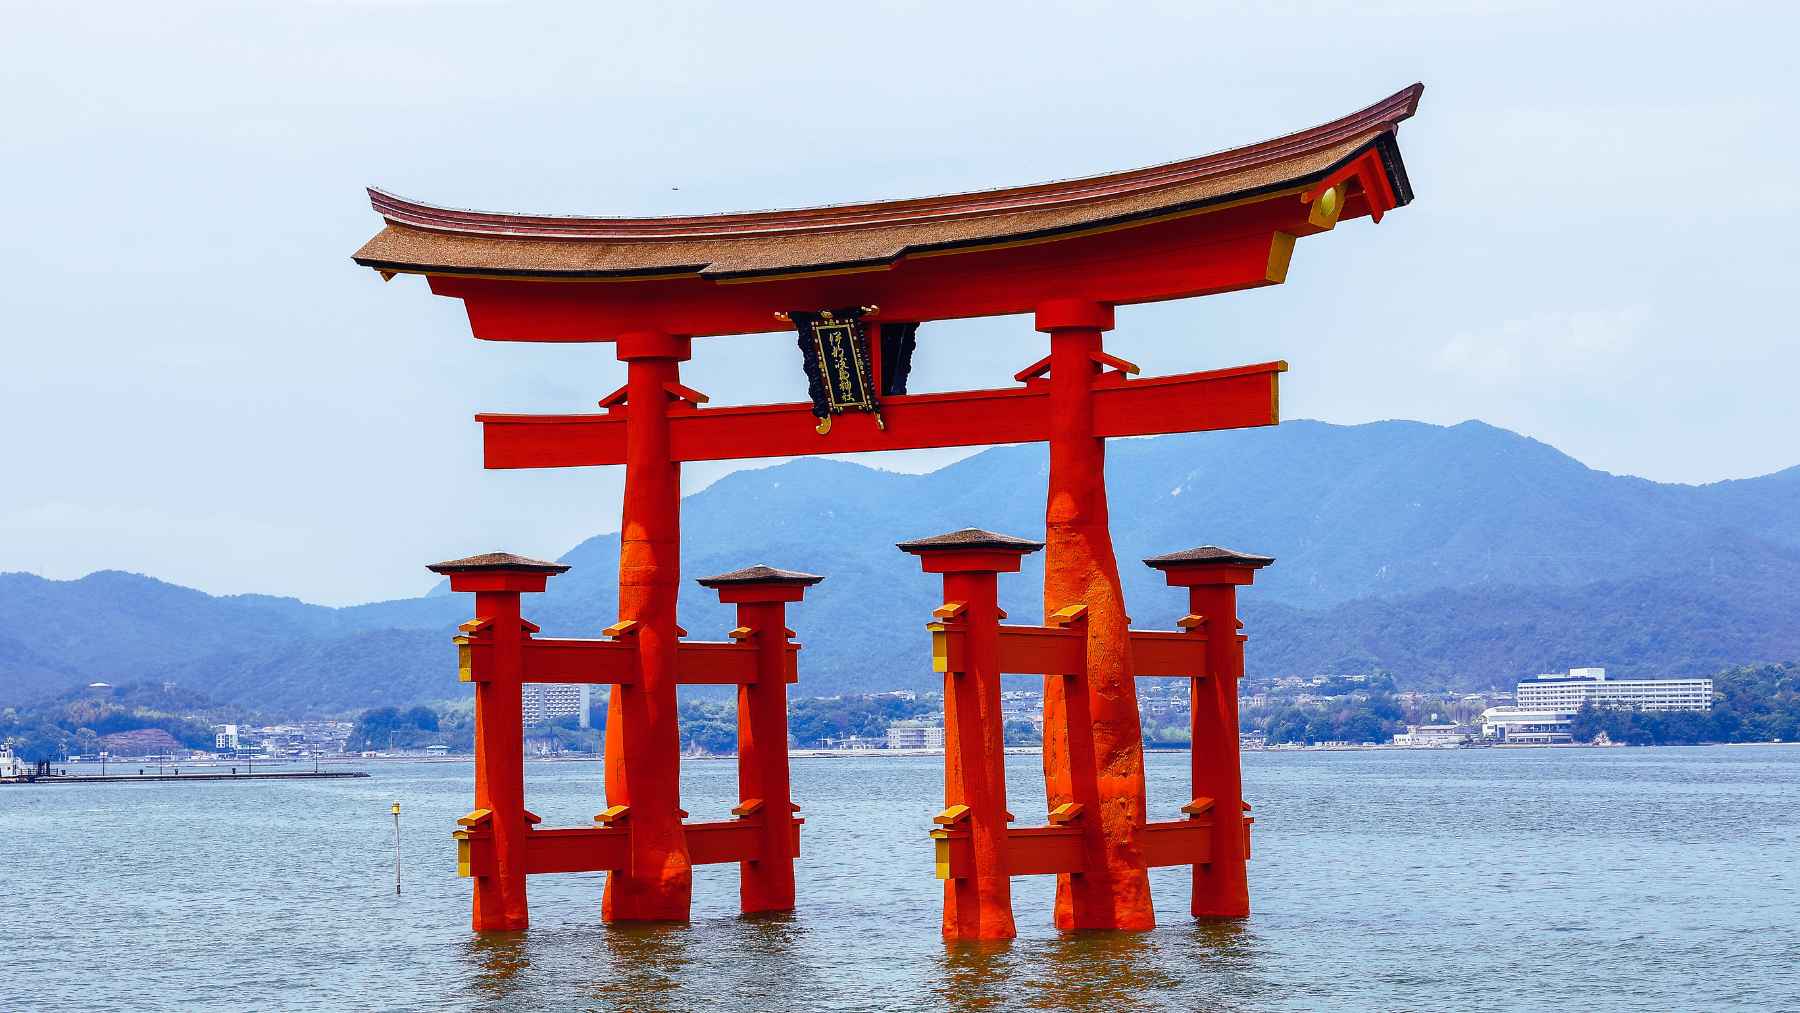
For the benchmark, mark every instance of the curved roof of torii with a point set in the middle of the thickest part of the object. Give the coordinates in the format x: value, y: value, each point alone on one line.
x: 421, y: 238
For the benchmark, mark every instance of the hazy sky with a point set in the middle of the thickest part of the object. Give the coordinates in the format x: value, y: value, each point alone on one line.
x: 198, y: 384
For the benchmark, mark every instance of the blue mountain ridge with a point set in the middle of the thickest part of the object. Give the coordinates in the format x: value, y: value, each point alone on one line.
x: 1460, y: 556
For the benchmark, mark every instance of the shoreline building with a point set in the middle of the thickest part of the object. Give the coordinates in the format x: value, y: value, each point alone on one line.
x: 1443, y: 736
x: 1547, y: 704
x: 1590, y: 685
x: 1528, y: 726
x: 915, y: 734
x: 545, y: 701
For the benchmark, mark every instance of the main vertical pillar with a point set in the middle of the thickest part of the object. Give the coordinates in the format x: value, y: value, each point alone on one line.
x: 498, y: 633
x: 1093, y: 744
x: 761, y: 594
x: 1212, y: 575
x: 643, y: 740
x: 977, y: 905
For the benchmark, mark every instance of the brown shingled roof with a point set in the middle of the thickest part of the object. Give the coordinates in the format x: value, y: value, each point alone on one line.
x: 970, y: 538
x: 497, y: 561
x: 760, y: 574
x: 425, y: 238
x: 1209, y: 554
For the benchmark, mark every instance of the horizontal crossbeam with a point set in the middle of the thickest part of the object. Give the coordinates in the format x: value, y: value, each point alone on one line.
x: 602, y: 849
x: 1030, y: 851
x: 1181, y: 842
x: 614, y: 662
x: 1236, y: 398
x: 1054, y: 650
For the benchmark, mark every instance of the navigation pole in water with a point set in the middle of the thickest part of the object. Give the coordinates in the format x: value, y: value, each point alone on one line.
x: 856, y: 284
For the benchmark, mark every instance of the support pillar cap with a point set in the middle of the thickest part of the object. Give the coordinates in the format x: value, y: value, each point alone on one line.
x: 970, y: 550
x: 760, y: 584
x: 498, y: 571
x: 1208, y: 564
x: 974, y: 539
x: 761, y: 573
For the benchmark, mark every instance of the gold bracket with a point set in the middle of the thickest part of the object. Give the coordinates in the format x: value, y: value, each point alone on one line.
x: 1325, y: 208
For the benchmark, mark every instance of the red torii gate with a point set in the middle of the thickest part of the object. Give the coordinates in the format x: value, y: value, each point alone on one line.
x: 1066, y: 252
x: 977, y: 852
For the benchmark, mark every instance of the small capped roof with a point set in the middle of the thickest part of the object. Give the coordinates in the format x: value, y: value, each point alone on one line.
x: 1209, y: 554
x: 761, y: 573
x: 970, y: 538
x: 497, y: 561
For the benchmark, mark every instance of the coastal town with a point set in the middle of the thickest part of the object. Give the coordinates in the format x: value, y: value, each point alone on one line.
x: 1338, y: 712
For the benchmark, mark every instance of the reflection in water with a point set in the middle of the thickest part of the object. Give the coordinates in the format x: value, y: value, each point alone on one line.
x: 976, y: 975
x: 1326, y: 936
x: 496, y: 959
x: 1095, y: 970
x: 770, y: 975
x: 641, y: 965
x: 1229, y: 961
x: 1226, y: 944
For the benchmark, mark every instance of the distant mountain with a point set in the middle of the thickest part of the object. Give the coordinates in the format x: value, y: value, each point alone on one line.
x: 1463, y: 555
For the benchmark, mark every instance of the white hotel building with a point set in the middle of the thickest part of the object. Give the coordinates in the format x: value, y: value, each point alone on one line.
x: 1547, y: 704
x: 546, y: 701
x: 1555, y: 692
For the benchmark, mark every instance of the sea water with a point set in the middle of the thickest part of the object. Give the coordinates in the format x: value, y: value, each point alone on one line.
x: 1593, y: 879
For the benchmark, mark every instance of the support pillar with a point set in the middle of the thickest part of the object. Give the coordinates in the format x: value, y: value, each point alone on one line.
x: 1212, y: 575
x: 979, y: 905
x: 761, y: 594
x: 497, y: 579
x: 1093, y: 743
x: 643, y: 739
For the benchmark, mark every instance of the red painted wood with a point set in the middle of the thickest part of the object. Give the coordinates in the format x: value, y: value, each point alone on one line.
x: 743, y: 840
x: 643, y: 742
x: 1233, y: 398
x: 978, y: 905
x: 1182, y: 257
x: 767, y: 883
x: 1093, y: 747
x: 1048, y: 650
x: 500, y: 904
x: 1178, y: 842
x: 615, y: 662
x: 1157, y: 652
x: 702, y: 663
x: 1221, y: 886
x: 1037, y: 650
x: 596, y: 662
x: 1030, y: 851
x: 1045, y: 851
x: 578, y: 849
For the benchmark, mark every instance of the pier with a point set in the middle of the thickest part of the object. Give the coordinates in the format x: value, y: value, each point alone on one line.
x: 294, y: 775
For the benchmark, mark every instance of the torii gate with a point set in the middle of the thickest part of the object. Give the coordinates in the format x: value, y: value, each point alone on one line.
x: 1067, y: 252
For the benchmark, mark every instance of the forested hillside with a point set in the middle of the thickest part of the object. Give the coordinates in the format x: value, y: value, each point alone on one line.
x: 1459, y: 556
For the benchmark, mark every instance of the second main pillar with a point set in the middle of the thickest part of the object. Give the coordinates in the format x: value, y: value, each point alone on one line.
x: 1093, y: 743
x: 643, y: 738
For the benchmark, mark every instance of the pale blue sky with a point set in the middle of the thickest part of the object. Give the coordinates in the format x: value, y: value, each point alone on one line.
x: 198, y: 384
